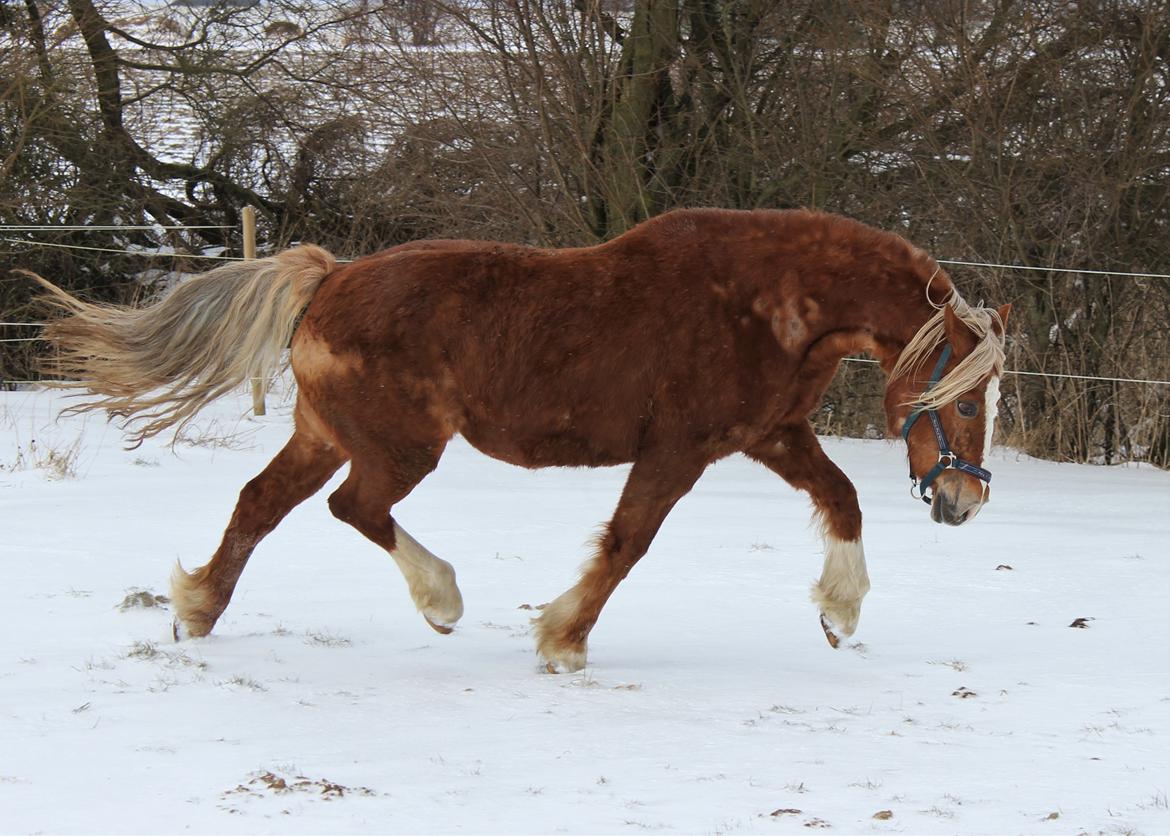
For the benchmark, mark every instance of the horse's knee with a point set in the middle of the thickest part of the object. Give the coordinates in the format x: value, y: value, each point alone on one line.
x: 252, y: 494
x: 342, y: 506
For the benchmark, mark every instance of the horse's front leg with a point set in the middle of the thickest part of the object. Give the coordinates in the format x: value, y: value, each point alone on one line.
x: 795, y: 454
x: 656, y: 482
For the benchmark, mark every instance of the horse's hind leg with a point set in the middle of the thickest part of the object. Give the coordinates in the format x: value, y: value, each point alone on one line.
x: 796, y: 455
x: 655, y: 484
x: 298, y: 471
x: 364, y: 501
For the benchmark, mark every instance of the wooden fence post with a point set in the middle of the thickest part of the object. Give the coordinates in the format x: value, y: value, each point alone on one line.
x: 248, y: 218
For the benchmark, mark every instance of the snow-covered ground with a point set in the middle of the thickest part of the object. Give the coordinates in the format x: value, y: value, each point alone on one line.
x: 712, y: 703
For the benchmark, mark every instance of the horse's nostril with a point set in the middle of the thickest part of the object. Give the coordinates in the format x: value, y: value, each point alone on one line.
x: 958, y: 518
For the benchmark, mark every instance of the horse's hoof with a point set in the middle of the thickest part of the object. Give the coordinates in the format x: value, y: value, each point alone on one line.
x: 827, y: 626
x: 181, y: 631
x: 556, y: 668
x: 569, y: 661
x: 444, y: 629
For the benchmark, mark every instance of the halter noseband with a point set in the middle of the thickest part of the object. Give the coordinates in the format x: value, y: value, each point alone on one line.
x: 946, y: 459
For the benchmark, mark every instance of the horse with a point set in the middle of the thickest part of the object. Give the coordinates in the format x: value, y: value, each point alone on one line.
x: 695, y: 335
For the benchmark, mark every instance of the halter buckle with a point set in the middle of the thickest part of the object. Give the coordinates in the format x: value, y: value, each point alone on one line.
x: 948, y: 457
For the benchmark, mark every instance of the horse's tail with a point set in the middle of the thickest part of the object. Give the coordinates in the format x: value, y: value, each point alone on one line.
x: 158, y: 365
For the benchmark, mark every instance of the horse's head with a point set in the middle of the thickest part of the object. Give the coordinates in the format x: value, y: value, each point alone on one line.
x: 942, y: 399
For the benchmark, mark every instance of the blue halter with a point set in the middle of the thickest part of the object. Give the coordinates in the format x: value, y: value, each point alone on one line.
x: 946, y: 459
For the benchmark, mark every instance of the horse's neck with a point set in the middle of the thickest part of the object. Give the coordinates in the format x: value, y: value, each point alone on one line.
x: 881, y: 325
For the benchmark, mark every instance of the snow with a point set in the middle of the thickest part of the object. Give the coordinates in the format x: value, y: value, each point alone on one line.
x: 322, y: 702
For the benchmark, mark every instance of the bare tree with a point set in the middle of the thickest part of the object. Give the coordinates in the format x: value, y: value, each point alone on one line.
x: 1033, y: 132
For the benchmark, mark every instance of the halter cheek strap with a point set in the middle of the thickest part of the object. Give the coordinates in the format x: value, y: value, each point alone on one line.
x: 946, y: 459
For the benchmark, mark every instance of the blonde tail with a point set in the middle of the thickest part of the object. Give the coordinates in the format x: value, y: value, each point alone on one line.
x: 157, y: 366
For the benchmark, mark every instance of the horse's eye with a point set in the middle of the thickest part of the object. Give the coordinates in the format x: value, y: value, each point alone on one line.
x: 968, y: 409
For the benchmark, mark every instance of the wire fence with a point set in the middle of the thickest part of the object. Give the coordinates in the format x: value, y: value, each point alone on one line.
x: 1079, y: 270
x: 142, y: 253
x: 103, y: 227
x: 1058, y: 375
x: 161, y: 255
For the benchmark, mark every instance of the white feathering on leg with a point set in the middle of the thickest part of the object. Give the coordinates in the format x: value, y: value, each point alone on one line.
x: 844, y: 582
x: 190, y: 601
x: 550, y: 626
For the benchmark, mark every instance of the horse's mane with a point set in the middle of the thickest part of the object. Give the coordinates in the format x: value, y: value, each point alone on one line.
x: 986, y: 359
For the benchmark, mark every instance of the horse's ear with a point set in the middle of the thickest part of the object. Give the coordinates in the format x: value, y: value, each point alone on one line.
x: 959, y: 333
x: 1004, y: 310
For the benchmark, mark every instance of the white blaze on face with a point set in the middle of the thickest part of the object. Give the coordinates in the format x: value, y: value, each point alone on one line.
x: 990, y: 410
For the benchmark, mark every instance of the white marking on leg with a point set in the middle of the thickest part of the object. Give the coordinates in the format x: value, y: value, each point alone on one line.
x: 431, y: 580
x: 190, y: 601
x: 844, y: 582
x: 550, y: 627
x: 990, y: 411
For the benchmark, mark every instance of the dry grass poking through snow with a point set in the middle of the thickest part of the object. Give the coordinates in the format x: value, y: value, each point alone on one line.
x: 269, y: 783
x: 58, y: 459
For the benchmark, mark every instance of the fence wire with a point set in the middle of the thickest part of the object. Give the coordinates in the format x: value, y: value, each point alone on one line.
x: 989, y: 265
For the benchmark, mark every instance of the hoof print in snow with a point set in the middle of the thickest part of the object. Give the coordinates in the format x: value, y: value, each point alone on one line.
x: 785, y: 811
x: 1082, y: 623
x: 1003, y: 567
x: 1051, y: 817
x: 883, y: 815
x: 963, y: 693
x: 530, y: 607
x: 817, y: 824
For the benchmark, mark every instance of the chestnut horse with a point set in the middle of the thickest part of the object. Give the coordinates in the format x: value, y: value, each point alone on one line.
x: 698, y: 334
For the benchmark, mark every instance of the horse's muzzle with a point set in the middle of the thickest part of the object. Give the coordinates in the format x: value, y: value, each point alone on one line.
x: 956, y: 500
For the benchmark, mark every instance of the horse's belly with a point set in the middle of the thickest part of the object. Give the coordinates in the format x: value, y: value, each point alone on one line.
x: 549, y: 446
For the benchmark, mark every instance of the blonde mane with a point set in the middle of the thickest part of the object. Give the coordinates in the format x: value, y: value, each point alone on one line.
x: 986, y: 359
